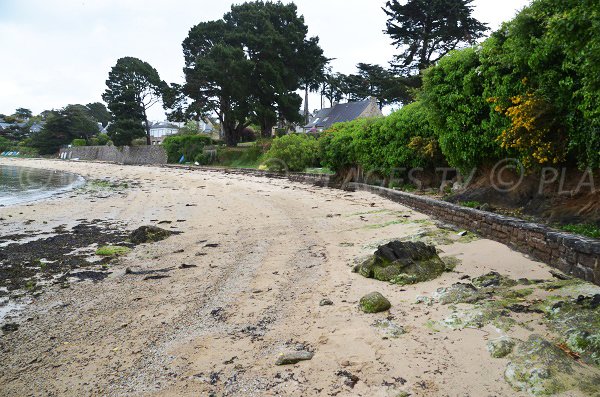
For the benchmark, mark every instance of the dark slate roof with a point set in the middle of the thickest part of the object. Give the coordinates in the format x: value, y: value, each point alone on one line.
x: 163, y: 124
x: 340, y: 113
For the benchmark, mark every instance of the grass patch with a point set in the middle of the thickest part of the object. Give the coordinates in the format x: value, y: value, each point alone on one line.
x: 112, y: 250
x: 471, y: 204
x: 240, y: 157
x: 584, y: 229
x: 100, y: 184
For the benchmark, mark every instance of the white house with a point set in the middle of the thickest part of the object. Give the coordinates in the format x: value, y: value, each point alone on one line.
x: 160, y: 130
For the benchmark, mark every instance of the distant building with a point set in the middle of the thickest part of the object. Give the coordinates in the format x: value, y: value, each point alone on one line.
x: 36, y: 127
x: 159, y: 131
x: 102, y: 129
x: 342, y: 112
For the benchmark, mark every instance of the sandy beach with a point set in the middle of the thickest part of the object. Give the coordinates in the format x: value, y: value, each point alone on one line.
x: 260, y: 255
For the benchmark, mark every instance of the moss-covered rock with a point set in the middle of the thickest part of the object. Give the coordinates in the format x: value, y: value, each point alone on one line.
x: 541, y: 369
x: 493, y: 279
x: 577, y: 321
x: 374, y: 303
x: 488, y: 312
x: 403, y: 263
x: 458, y: 293
x: 501, y: 347
x: 389, y: 329
x: 149, y: 234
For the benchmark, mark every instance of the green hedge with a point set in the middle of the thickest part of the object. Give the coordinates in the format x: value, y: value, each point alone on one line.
x: 294, y: 152
x: 405, y: 139
x: 189, y: 146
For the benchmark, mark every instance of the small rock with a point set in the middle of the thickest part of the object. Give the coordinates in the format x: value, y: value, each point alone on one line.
x: 293, y: 357
x: 501, y: 347
x: 186, y: 266
x: 351, y: 380
x: 10, y: 327
x: 374, y: 303
x: 326, y: 302
x: 128, y: 270
x: 463, y: 233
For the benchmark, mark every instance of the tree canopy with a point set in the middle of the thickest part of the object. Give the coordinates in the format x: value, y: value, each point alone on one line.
x: 426, y: 30
x: 61, y: 127
x: 99, y: 112
x: 22, y: 114
x: 247, y: 67
x: 133, y: 87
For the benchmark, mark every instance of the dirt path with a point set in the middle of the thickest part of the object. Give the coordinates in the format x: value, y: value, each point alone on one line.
x: 266, y: 253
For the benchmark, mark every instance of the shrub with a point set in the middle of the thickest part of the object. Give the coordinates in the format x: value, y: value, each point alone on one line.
x: 293, y: 152
x: 405, y: 139
x: 241, y: 157
x: 453, y: 94
x: 188, y: 146
x: 5, y: 144
x: 139, y: 142
x: 79, y: 142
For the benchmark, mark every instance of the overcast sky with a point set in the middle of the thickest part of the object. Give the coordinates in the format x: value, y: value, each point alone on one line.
x: 59, y: 52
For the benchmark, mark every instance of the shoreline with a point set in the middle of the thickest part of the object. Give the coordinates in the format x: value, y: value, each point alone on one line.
x: 209, y: 310
x: 35, y: 195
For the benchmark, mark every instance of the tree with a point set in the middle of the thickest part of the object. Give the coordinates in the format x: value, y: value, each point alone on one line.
x: 22, y: 114
x: 247, y: 67
x: 334, y: 87
x: 217, y: 76
x: 99, y: 112
x: 378, y: 82
x: 312, y: 75
x: 60, y: 128
x: 426, y: 30
x: 133, y: 87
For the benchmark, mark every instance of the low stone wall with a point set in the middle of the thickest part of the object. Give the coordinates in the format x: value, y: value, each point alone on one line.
x: 133, y: 155
x: 574, y: 255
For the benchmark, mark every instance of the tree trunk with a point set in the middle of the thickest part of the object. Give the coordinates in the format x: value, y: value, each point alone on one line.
x: 306, y: 112
x: 148, y: 138
x: 267, y: 131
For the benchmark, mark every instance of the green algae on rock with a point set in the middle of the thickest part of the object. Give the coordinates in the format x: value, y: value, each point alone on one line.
x: 458, y: 293
x: 493, y: 279
x: 389, y: 329
x: 374, y: 303
x: 540, y: 368
x: 501, y: 347
x: 149, y: 234
x: 112, y: 250
x: 403, y: 263
x: 577, y: 321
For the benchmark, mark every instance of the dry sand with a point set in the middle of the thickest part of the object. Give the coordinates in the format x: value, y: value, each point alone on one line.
x: 219, y: 327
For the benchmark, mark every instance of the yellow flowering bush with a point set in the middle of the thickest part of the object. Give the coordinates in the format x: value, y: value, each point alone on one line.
x: 532, y: 131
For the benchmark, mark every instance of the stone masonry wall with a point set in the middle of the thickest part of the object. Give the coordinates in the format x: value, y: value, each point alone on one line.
x: 574, y: 255
x: 133, y: 155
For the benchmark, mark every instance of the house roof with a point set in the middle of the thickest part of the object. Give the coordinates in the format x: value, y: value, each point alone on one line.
x: 340, y: 113
x: 163, y: 124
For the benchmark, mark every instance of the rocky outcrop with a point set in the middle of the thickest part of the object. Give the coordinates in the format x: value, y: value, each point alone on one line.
x: 403, y: 263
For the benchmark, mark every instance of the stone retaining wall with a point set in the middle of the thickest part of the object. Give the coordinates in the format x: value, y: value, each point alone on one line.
x: 133, y: 155
x: 574, y: 255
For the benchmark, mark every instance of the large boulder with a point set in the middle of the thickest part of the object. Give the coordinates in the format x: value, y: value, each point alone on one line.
x: 403, y: 263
